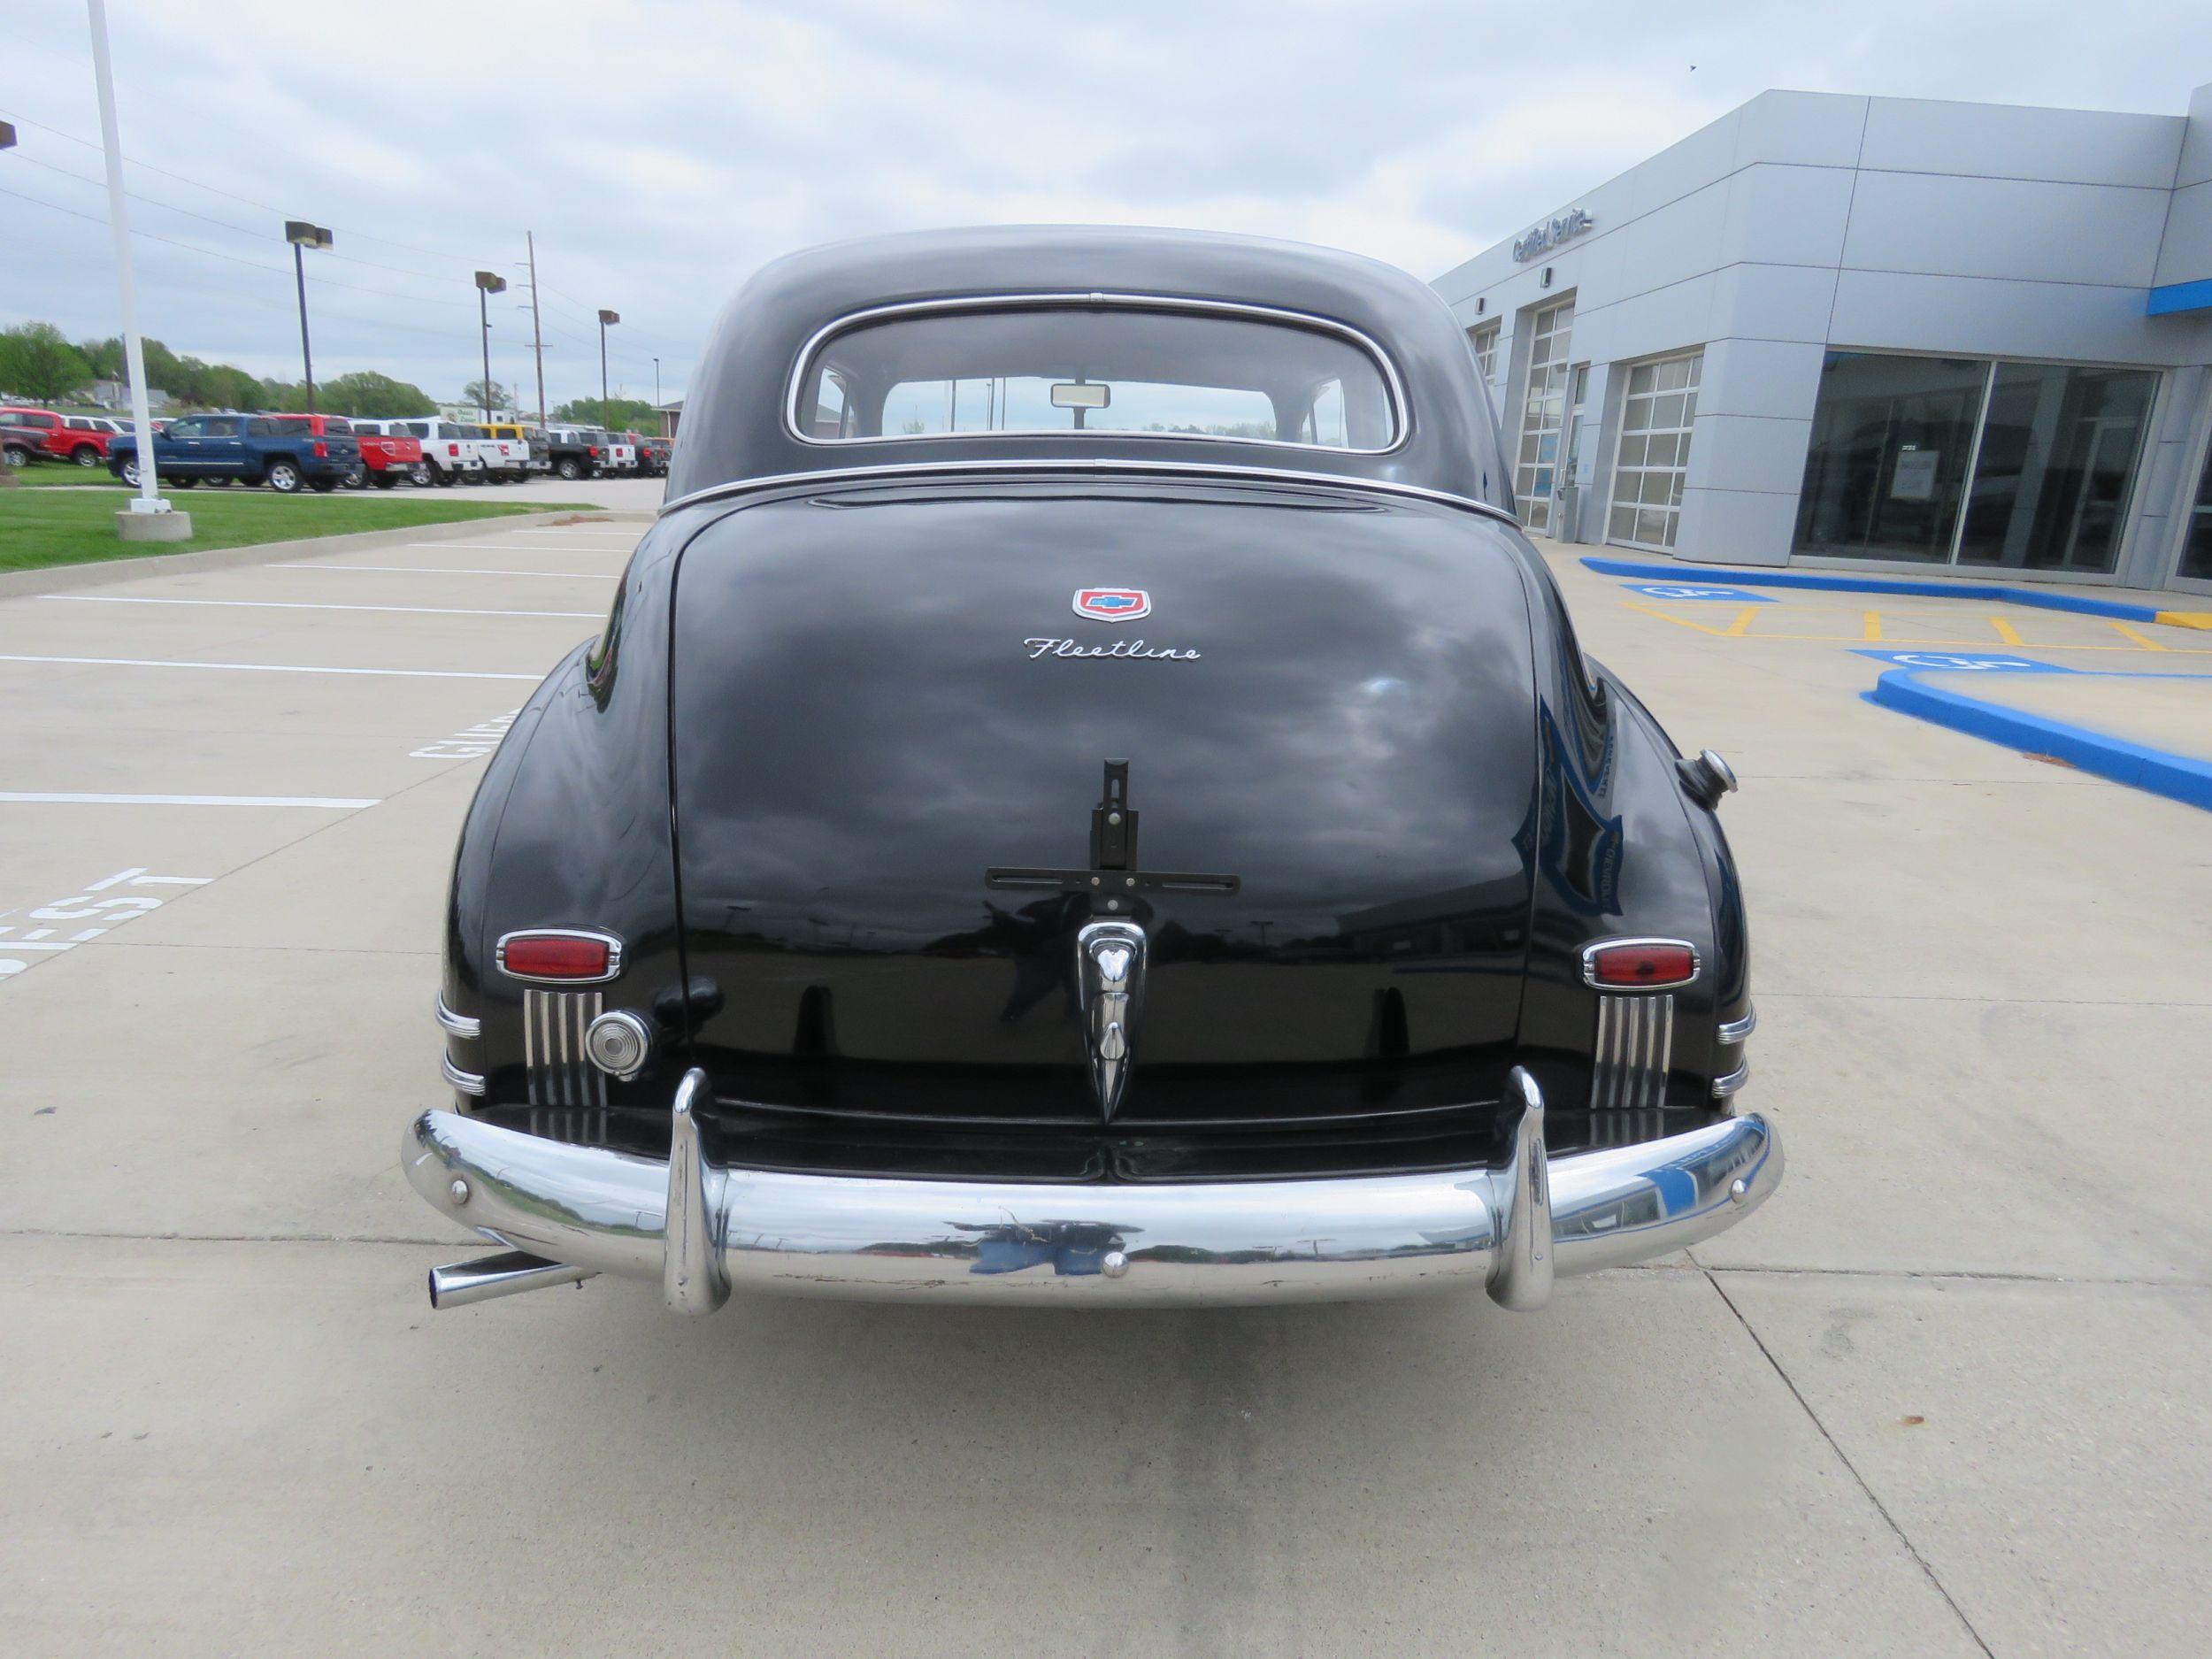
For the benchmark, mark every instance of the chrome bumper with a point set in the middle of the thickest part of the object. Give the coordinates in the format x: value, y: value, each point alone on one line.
x: 702, y: 1231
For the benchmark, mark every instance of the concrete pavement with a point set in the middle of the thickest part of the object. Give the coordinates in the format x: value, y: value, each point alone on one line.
x: 1944, y: 1396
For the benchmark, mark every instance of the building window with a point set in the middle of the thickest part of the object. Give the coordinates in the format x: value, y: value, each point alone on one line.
x: 1654, y: 456
x: 1485, y: 341
x: 1543, y: 414
x: 2196, y: 548
x: 1959, y: 460
x: 2056, y: 461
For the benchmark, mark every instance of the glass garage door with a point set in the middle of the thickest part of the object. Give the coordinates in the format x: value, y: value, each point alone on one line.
x: 1655, y: 451
x: 1543, y: 414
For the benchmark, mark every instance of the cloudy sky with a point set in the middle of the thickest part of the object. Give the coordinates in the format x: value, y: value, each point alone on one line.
x: 660, y: 151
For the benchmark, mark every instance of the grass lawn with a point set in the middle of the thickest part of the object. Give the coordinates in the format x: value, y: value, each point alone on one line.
x: 42, y: 527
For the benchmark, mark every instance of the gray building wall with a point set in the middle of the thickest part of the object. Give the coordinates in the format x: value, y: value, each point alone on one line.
x: 1805, y: 221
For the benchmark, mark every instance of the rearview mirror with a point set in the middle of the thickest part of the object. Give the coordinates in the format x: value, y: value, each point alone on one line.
x: 1081, y: 394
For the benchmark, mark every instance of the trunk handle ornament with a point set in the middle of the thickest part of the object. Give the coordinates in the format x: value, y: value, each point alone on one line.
x: 1109, y: 959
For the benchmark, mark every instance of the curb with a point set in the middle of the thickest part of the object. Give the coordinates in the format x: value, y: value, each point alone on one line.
x: 2160, y: 772
x: 55, y: 579
x: 1739, y: 576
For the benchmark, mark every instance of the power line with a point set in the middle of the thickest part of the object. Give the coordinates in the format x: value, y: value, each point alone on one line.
x: 266, y: 207
x: 258, y: 235
x: 216, y: 253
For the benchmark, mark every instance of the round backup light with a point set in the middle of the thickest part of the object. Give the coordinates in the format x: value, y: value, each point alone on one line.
x: 618, y: 1043
x: 1640, y: 964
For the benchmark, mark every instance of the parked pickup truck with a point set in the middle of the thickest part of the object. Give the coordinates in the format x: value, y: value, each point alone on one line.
x: 20, y: 445
x: 522, y: 451
x: 384, y: 460
x: 64, y: 437
x: 242, y: 448
x: 450, y: 450
x: 578, y: 451
x: 652, y: 456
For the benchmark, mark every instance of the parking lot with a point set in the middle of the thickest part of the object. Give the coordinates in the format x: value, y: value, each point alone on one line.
x: 1945, y: 1394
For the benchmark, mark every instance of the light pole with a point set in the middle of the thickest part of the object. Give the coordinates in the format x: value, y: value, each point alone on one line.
x: 303, y: 235
x: 605, y: 318
x: 148, y: 517
x: 657, y: 382
x: 488, y: 284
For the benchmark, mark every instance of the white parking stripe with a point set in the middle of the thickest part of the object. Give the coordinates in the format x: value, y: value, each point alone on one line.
x: 333, y: 803
x: 453, y: 570
x: 289, y: 604
x: 500, y: 546
x: 273, y: 668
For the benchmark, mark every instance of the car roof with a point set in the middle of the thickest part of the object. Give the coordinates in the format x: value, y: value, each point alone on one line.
x: 734, y: 427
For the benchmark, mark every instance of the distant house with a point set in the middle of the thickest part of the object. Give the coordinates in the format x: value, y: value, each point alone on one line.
x: 670, y: 414
x: 117, y: 395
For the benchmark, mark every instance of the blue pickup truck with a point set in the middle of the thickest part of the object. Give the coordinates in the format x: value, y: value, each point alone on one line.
x: 241, y: 448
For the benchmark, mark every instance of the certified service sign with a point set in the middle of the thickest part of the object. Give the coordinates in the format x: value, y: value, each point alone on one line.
x: 1112, y: 605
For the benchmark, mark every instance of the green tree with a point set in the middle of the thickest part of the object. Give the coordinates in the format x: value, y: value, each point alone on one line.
x: 619, y: 414
x: 501, y: 397
x: 372, y: 395
x: 37, y: 362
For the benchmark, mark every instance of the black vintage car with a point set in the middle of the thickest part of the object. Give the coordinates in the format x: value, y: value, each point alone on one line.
x: 1086, y: 796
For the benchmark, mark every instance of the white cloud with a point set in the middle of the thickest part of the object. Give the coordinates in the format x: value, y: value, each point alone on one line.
x: 662, y: 151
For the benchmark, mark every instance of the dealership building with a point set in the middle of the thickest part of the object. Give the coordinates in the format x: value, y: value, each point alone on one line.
x: 1872, y: 334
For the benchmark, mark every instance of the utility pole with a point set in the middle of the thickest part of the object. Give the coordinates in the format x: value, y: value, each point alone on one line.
x: 148, y: 517
x: 537, y: 335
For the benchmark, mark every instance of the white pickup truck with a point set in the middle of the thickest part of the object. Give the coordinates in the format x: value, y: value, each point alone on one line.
x: 451, y: 451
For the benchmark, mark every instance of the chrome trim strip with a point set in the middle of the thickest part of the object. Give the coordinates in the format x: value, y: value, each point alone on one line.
x: 1400, y: 406
x: 1093, y: 1245
x: 458, y: 1024
x: 1179, y: 469
x: 1735, y: 1031
x: 1589, y: 965
x: 1723, y: 1087
x: 530, y: 1062
x: 461, y: 1082
x: 1631, y: 1052
x: 613, y: 945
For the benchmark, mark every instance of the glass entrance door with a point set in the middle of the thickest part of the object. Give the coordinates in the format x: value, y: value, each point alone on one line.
x: 1537, y: 472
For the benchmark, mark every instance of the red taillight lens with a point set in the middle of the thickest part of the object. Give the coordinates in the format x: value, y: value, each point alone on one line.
x: 1640, y: 965
x: 592, y: 450
x: 558, y: 956
x: 321, y: 450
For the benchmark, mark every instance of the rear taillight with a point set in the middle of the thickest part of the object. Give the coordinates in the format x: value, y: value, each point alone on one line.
x: 1640, y: 964
x: 321, y: 449
x: 592, y: 450
x: 453, y: 449
x: 562, y: 955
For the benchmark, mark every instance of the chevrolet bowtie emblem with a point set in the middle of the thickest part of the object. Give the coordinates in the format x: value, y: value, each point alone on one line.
x: 1109, y: 991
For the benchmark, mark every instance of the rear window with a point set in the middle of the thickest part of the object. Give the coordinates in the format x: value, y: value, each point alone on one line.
x: 1125, y: 370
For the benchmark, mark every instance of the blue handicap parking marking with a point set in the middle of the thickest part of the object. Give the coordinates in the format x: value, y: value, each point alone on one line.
x: 1971, y: 662
x: 1691, y: 590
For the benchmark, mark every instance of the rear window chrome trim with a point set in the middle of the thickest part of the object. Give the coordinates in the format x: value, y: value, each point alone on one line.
x: 1083, y: 466
x: 1400, y: 408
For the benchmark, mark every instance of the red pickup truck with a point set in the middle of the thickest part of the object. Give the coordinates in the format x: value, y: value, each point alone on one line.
x: 64, y: 437
x: 384, y: 461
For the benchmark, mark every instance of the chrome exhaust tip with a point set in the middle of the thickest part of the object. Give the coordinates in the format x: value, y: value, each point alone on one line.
x: 509, y: 1273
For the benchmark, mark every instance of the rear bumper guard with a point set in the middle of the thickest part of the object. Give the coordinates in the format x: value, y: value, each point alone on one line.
x: 564, y: 1213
